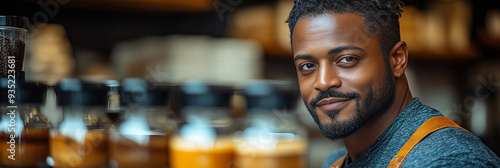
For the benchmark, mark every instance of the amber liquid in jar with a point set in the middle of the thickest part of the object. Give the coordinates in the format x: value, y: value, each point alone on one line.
x: 32, y: 148
x: 285, y: 154
x: 130, y: 154
x: 185, y: 154
x: 69, y: 152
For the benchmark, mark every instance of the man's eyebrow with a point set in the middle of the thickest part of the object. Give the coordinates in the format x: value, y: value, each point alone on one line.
x: 343, y: 48
x: 332, y: 51
x: 302, y: 56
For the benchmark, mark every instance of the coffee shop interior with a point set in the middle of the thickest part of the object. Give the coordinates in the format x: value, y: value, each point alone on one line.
x: 236, y: 52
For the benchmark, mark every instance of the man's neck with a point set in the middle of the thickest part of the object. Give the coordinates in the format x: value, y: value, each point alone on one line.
x: 358, y: 142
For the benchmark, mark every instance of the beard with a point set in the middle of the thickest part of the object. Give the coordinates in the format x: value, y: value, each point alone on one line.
x: 377, y: 100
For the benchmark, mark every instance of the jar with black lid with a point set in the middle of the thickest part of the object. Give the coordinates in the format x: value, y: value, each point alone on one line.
x: 273, y: 137
x: 81, y: 138
x: 142, y: 138
x: 25, y: 133
x: 206, y: 139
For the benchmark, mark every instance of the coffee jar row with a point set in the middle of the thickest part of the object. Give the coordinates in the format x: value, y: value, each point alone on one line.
x: 144, y: 132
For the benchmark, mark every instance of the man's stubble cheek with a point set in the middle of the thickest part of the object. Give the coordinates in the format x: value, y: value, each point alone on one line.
x: 379, y: 97
x: 307, y: 91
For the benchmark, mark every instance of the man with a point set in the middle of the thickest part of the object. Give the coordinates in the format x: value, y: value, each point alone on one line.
x: 350, y: 64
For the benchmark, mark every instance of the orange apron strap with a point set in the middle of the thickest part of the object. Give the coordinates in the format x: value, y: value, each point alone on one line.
x: 339, y: 162
x: 431, y: 125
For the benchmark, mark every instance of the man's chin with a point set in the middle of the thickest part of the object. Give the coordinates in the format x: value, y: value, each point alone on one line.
x: 334, y: 133
x: 332, y: 125
x: 338, y: 129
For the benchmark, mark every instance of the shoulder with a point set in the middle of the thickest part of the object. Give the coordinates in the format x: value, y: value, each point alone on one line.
x: 452, y: 147
x: 334, y: 156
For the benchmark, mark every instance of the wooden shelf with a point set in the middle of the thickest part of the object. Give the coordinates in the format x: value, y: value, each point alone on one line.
x: 141, y: 5
x: 445, y: 55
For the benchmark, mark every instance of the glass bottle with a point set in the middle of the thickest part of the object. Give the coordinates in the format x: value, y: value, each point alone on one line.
x: 12, y: 46
x: 272, y: 137
x: 142, y: 139
x: 80, y: 139
x: 206, y: 139
x: 26, y: 129
x: 113, y: 109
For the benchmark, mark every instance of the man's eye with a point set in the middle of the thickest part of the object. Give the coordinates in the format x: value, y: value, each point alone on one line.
x: 307, y: 66
x: 347, y: 60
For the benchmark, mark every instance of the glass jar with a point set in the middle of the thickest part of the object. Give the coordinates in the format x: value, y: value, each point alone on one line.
x: 25, y: 128
x: 272, y: 137
x: 142, y: 139
x: 81, y: 138
x: 12, y: 36
x: 206, y: 139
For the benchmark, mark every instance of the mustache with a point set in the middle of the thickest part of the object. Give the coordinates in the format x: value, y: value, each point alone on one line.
x: 332, y: 93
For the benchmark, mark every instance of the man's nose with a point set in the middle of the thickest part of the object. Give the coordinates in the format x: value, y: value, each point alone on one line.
x: 327, y: 78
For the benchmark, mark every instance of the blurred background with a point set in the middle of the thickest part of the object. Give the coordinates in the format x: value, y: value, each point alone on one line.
x: 454, y: 49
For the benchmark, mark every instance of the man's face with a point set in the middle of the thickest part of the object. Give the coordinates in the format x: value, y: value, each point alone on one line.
x: 343, y: 76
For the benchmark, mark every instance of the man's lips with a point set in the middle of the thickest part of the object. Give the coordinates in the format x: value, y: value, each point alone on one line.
x: 332, y: 103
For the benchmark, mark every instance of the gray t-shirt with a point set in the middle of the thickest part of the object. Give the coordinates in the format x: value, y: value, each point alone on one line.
x: 448, y: 147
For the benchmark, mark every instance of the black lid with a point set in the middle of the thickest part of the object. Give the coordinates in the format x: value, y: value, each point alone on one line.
x: 199, y: 94
x: 14, y: 21
x: 135, y: 91
x: 23, y: 92
x: 264, y: 95
x: 33, y: 92
x: 75, y: 92
x: 4, y: 87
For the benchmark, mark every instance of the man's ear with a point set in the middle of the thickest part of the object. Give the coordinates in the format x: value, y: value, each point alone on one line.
x: 399, y: 59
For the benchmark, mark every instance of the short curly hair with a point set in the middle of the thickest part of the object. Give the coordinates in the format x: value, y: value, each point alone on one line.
x: 381, y: 17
